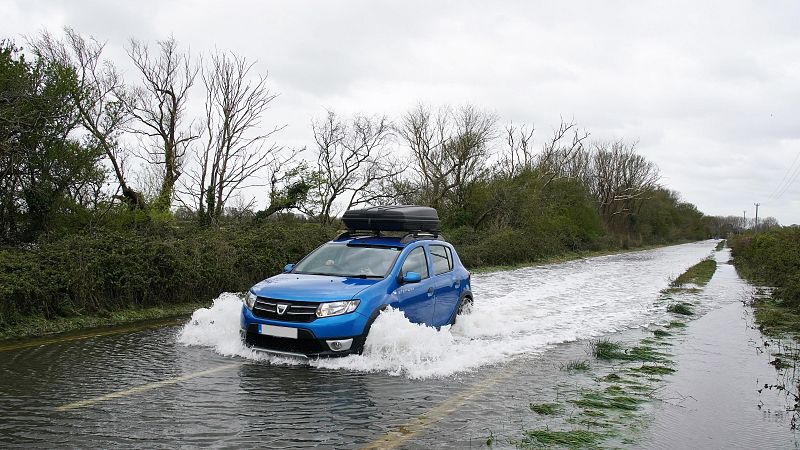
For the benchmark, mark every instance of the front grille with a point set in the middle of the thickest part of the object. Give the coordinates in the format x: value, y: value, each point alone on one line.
x: 267, y: 308
x: 305, y: 342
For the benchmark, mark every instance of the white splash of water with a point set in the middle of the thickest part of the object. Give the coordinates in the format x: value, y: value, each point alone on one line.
x: 516, y: 312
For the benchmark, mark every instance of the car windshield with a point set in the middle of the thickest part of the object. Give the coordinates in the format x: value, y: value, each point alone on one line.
x: 353, y: 261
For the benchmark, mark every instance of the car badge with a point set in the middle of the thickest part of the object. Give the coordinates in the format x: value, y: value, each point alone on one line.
x: 282, y: 309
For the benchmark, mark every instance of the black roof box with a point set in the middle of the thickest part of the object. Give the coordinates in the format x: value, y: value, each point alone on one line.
x: 392, y: 218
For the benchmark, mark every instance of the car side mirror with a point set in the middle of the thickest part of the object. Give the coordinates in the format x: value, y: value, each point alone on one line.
x: 288, y: 268
x: 412, y: 277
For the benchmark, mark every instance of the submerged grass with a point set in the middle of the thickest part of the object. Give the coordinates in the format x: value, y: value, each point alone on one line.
x: 569, y: 439
x: 654, y: 370
x: 606, y: 349
x: 720, y: 245
x: 684, y: 309
x: 576, y: 366
x: 659, y: 333
x: 546, y: 409
x: 598, y: 400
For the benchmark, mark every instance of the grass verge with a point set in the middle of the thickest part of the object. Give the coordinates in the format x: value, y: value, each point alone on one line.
x: 699, y: 274
x: 35, y: 327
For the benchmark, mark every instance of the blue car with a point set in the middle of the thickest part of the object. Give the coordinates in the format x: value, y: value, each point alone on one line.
x: 325, y: 304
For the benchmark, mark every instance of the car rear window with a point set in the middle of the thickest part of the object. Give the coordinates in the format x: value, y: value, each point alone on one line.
x: 442, y: 259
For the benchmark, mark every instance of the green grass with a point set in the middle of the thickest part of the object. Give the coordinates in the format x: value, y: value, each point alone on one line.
x: 779, y: 363
x: 681, y: 290
x: 597, y: 400
x: 545, y: 409
x: 776, y: 320
x: 612, y: 377
x: 699, y: 274
x: 37, y: 326
x: 720, y: 246
x: 606, y: 349
x: 659, y: 333
x: 576, y: 366
x: 683, y: 309
x: 569, y: 439
x: 654, y: 370
x: 676, y: 324
x: 593, y: 413
x: 644, y: 353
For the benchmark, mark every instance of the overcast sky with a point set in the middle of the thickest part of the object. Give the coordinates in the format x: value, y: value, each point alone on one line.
x: 711, y: 90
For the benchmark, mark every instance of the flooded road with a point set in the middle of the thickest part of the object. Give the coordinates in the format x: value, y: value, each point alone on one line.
x: 195, y: 385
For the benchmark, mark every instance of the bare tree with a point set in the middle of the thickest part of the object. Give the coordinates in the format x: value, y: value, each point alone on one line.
x: 99, y: 98
x: 235, y: 146
x: 518, y: 154
x: 449, y: 149
x: 619, y: 179
x: 159, y: 107
x: 352, y: 158
x: 564, y: 155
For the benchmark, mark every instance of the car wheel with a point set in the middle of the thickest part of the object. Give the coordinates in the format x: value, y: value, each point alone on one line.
x: 464, y: 307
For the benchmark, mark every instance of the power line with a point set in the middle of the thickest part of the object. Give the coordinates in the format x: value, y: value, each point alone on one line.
x: 782, y: 187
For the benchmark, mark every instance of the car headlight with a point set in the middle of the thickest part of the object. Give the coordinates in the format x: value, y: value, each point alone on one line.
x: 337, y: 308
x: 250, y: 300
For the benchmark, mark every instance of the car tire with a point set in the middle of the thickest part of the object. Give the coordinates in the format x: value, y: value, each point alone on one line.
x: 464, y: 307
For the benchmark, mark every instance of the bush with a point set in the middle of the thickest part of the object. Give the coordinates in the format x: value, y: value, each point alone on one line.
x: 97, y: 273
x: 771, y: 257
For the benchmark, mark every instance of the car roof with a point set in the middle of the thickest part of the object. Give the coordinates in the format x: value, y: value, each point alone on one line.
x: 382, y: 241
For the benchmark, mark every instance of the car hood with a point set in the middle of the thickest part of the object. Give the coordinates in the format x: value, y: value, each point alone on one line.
x: 311, y: 288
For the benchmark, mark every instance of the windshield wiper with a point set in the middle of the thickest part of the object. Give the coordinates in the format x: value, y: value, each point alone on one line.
x: 360, y: 275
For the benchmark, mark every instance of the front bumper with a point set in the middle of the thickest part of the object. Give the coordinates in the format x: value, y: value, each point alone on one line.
x: 312, y: 337
x: 305, y: 346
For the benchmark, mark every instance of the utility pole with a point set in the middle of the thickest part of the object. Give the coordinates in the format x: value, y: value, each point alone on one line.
x: 757, y: 205
x: 744, y: 214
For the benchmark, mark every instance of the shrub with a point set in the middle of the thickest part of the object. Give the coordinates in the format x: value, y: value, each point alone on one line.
x: 100, y: 272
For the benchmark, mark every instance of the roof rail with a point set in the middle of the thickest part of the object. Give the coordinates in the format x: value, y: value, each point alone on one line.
x: 421, y: 235
x: 349, y: 234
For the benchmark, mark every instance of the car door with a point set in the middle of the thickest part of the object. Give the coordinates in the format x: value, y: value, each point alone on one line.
x: 446, y: 286
x: 416, y: 300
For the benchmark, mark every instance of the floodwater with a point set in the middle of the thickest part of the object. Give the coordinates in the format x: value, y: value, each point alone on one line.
x: 196, y: 385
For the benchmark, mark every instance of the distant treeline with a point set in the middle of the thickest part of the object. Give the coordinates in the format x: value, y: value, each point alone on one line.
x: 112, y: 195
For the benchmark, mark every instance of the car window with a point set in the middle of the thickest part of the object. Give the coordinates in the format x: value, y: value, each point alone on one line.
x: 442, y: 260
x: 416, y: 262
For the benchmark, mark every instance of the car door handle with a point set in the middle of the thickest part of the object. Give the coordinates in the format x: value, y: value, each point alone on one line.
x: 430, y: 292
